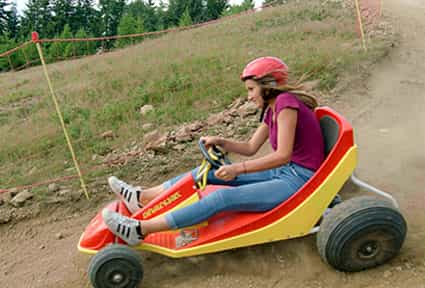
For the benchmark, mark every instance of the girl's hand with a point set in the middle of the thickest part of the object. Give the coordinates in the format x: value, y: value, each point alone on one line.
x: 228, y: 172
x: 212, y: 140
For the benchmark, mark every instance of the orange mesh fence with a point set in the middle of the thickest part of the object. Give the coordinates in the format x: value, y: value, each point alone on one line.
x: 93, y: 45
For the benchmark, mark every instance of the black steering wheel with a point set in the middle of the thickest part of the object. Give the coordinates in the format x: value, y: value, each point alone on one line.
x: 215, y: 156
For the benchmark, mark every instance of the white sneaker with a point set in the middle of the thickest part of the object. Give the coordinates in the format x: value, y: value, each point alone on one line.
x: 130, y: 195
x: 128, y: 229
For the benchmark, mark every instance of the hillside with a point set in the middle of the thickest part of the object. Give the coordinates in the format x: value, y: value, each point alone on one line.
x: 186, y: 76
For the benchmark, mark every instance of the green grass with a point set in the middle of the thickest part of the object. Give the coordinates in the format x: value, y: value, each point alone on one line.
x: 185, y: 76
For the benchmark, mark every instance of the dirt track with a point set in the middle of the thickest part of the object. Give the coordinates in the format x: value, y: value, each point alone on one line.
x: 388, y: 119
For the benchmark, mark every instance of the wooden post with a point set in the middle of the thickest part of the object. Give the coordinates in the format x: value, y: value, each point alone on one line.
x: 10, y: 63
x: 359, y: 18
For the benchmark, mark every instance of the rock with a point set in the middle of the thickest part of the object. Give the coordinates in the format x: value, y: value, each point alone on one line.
x: 233, y: 112
x: 13, y: 192
x: 387, y: 274
x: 179, y: 147
x: 152, y: 136
x: 145, y: 109
x: 227, y: 118
x: 54, y: 200
x: 1, y: 201
x: 248, y: 109
x: 76, y: 194
x: 93, y: 157
x: 5, y: 216
x: 53, y: 187
x: 147, y: 126
x: 20, y: 199
x: 215, y: 119
x: 59, y: 236
x: 196, y: 126
x: 237, y: 103
x: 107, y: 134
x: 42, y: 247
x: 64, y: 192
x: 156, y: 141
x: 6, y: 197
x: 184, y: 134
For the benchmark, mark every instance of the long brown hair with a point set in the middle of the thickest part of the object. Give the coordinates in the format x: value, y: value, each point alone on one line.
x: 270, y: 90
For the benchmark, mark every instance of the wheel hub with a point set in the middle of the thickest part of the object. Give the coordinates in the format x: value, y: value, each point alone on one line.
x: 369, y: 250
x: 117, y: 278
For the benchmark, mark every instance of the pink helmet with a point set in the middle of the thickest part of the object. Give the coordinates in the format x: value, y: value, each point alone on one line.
x: 266, y: 66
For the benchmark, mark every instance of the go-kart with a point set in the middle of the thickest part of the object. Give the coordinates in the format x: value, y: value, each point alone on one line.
x: 356, y: 234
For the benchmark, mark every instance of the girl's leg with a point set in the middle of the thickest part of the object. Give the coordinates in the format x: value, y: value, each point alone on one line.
x: 151, y: 193
x: 134, y: 197
x: 256, y: 197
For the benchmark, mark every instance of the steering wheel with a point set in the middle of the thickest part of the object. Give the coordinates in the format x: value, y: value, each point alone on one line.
x: 215, y: 156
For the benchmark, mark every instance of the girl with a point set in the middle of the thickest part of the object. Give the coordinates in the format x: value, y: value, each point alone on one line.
x: 287, y: 120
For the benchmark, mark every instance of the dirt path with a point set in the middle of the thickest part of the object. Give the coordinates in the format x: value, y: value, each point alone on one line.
x: 389, y: 131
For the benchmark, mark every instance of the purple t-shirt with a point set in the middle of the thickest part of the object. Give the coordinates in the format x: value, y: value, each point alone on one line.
x: 308, y: 150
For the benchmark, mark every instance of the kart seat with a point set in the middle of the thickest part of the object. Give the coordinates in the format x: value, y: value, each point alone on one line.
x: 330, y: 132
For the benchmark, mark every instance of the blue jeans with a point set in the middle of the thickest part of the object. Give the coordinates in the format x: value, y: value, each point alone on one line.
x: 251, y: 192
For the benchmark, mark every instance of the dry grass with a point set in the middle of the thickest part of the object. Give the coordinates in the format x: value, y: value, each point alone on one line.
x: 184, y: 75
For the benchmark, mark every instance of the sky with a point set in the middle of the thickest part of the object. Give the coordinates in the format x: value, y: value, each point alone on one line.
x: 21, y: 3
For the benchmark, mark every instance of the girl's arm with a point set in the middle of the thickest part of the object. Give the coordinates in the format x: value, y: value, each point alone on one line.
x: 287, y: 122
x: 244, y: 148
x: 247, y: 148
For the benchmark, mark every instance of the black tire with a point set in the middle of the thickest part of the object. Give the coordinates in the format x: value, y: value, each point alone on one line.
x: 361, y: 233
x: 116, y: 266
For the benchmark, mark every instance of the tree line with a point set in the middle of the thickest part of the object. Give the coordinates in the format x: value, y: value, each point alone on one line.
x: 83, y: 18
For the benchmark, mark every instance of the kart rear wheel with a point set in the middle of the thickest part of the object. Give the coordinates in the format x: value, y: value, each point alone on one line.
x: 116, y: 266
x: 361, y: 233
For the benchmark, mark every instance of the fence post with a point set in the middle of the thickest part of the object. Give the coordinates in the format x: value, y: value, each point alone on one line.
x: 58, y: 111
x: 359, y: 19
x: 10, y: 63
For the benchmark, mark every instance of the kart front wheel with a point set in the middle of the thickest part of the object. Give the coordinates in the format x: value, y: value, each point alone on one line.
x: 116, y: 266
x: 361, y: 233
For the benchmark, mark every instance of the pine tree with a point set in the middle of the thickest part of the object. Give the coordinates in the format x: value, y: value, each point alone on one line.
x: 150, y: 18
x: 13, y: 22
x: 111, y: 12
x: 84, y: 48
x: 185, y: 19
x: 128, y: 25
x: 145, y: 11
x: 38, y: 17
x: 161, y: 13
x: 215, y: 8
x: 3, y: 17
x: 235, y: 9
x: 64, y: 11
x: 87, y: 17
x: 4, y: 46
x: 176, y: 8
x: 60, y: 50
x: 197, y: 10
x: 175, y: 11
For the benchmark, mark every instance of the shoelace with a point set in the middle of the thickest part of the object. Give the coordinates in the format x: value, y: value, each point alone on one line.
x: 125, y: 230
x: 127, y: 194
